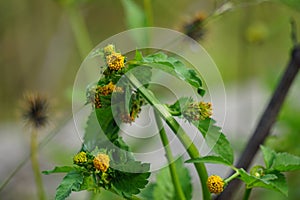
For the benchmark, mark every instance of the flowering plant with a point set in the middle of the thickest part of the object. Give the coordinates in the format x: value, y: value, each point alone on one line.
x: 105, y: 160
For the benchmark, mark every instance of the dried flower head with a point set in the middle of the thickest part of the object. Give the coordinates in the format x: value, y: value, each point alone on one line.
x: 101, y: 162
x: 195, y: 28
x: 35, y: 110
x: 215, y: 184
x: 115, y: 61
x: 80, y: 158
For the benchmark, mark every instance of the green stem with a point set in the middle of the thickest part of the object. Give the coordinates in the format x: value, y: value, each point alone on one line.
x: 235, y: 175
x: 247, y: 194
x: 35, y: 165
x: 80, y: 31
x: 148, y: 12
x: 176, y: 128
x: 172, y: 166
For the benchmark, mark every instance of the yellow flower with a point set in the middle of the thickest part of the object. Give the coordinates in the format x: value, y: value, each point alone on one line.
x: 101, y: 162
x: 115, y: 61
x: 215, y: 184
x: 109, y: 49
x: 108, y: 89
x: 80, y: 158
x: 205, y: 110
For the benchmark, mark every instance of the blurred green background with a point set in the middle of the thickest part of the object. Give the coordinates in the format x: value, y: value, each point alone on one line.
x: 41, y: 50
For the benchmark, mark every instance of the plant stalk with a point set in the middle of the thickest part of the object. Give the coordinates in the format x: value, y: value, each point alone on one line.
x: 80, y: 31
x: 148, y: 12
x: 177, y: 129
x: 247, y: 193
x: 172, y: 166
x: 35, y: 165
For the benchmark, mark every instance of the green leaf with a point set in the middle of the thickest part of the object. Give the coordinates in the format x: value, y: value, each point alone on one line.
x: 175, y: 67
x: 63, y: 169
x: 130, y: 178
x: 281, y: 162
x: 164, y: 188
x: 284, y: 162
x: 210, y: 159
x: 71, y: 182
x: 269, y: 156
x: 275, y: 181
x: 215, y: 139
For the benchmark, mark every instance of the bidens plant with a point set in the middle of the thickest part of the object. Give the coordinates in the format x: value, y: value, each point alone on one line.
x: 105, y: 160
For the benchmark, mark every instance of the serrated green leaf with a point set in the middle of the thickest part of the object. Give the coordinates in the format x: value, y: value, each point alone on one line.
x: 281, y: 162
x: 215, y: 139
x: 210, y: 159
x: 130, y: 178
x: 147, y: 193
x: 164, y: 188
x: 175, y: 67
x: 275, y: 181
x: 62, y: 169
x: 284, y: 162
x: 71, y: 182
x: 269, y: 156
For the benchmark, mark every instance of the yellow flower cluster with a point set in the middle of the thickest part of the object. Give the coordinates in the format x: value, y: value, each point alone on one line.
x: 108, y: 89
x: 205, y: 110
x: 80, y: 158
x: 115, y: 61
x: 215, y: 184
x: 101, y: 162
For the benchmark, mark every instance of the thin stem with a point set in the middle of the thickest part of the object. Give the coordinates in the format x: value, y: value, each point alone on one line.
x: 35, y: 165
x: 148, y: 12
x: 247, y: 194
x: 80, y: 31
x: 172, y: 166
x: 233, y: 176
x: 176, y: 128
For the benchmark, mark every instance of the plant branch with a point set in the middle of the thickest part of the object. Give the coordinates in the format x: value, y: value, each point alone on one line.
x: 267, y: 119
x: 172, y: 166
x: 35, y: 165
x: 177, y: 129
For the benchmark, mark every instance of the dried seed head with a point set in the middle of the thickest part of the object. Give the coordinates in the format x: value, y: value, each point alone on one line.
x: 35, y: 110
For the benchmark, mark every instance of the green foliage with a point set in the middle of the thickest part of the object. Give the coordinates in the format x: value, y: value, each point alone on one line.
x: 71, y: 182
x: 127, y: 184
x: 176, y: 68
x: 163, y: 189
x: 281, y: 162
x: 62, y: 169
x: 216, y: 139
x: 210, y: 159
x: 275, y: 181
